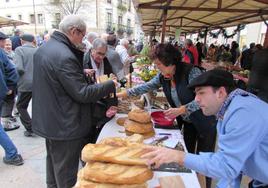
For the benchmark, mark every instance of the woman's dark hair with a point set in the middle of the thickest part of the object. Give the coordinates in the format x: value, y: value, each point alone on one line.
x: 167, y: 54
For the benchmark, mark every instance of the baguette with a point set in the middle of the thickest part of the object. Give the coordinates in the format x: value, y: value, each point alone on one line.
x: 139, y: 115
x: 135, y: 139
x: 115, y: 173
x: 120, y: 155
x: 81, y: 183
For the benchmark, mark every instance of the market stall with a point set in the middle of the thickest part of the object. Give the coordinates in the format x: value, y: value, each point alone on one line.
x: 189, y: 177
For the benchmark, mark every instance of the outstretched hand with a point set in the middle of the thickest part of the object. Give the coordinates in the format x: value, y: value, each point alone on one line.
x: 172, y: 113
x: 156, y: 156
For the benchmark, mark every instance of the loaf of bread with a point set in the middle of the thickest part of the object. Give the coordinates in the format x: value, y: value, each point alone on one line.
x: 139, y: 115
x: 116, y: 173
x: 103, y: 78
x: 136, y: 127
x: 120, y: 121
x: 144, y: 135
x: 135, y: 139
x: 81, y: 183
x: 130, y: 155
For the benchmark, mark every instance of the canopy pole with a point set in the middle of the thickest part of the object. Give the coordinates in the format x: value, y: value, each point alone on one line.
x: 265, y: 43
x: 164, y: 26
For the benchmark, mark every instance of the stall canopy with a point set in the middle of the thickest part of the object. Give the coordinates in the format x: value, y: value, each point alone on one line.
x: 191, y: 16
x: 5, y: 22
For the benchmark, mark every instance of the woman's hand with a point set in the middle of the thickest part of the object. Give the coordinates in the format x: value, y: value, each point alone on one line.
x: 89, y: 72
x: 157, y: 156
x: 172, y: 113
x: 122, y: 94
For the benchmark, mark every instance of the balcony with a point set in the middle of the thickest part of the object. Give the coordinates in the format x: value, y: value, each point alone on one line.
x: 122, y: 7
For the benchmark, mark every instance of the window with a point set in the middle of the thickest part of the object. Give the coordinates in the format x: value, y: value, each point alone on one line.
x: 32, y: 18
x: 19, y: 17
x: 109, y: 19
x: 128, y: 23
x: 109, y: 1
x: 120, y: 21
x: 40, y: 18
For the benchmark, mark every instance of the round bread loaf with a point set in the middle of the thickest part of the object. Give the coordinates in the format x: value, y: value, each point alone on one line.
x: 139, y: 115
x: 145, y: 135
x: 136, y: 127
x: 120, y: 121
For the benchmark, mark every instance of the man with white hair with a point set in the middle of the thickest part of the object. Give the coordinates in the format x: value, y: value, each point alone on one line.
x: 91, y: 36
x: 62, y: 101
x: 124, y: 56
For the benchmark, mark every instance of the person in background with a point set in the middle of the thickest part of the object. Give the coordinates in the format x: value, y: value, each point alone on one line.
x: 8, y: 121
x: 8, y: 49
x: 190, y: 54
x: 16, y: 39
x: 258, y: 77
x: 63, y: 99
x: 8, y: 81
x: 113, y: 57
x: 235, y: 52
x: 199, y: 47
x: 122, y: 50
x: 242, y: 129
x: 199, y: 131
x: 91, y: 36
x: 24, y: 64
x: 95, y: 66
x: 247, y: 57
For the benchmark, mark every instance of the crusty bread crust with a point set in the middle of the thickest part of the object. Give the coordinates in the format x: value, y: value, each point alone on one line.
x: 139, y: 115
x: 115, y: 173
x: 130, y: 155
x: 136, y: 127
x: 120, y: 121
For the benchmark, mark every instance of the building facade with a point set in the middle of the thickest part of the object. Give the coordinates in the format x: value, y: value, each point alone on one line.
x: 100, y: 15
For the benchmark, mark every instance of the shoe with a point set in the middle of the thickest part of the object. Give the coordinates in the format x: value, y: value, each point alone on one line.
x: 9, y: 125
x: 14, y: 161
x: 13, y: 119
x: 28, y: 133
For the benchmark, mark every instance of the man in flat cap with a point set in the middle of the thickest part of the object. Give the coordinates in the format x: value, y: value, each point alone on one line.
x: 24, y: 64
x: 242, y: 134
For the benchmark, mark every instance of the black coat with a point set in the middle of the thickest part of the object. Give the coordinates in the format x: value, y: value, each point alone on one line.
x: 62, y: 97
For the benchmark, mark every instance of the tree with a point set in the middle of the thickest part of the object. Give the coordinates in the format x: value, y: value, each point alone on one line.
x: 67, y: 7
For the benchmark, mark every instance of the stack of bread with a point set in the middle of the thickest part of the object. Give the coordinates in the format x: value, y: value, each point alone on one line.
x: 139, y: 121
x: 114, y: 162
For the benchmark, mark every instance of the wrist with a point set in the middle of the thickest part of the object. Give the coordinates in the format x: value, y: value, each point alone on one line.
x: 181, y: 158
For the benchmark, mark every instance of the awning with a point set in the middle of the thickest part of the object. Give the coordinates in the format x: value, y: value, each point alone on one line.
x: 192, y: 16
x: 5, y: 22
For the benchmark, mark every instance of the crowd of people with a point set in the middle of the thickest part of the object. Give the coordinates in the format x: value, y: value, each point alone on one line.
x: 71, y: 78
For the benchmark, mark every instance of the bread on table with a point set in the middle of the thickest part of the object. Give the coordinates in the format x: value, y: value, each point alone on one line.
x: 135, y: 127
x: 118, y: 141
x: 115, y: 173
x: 130, y: 155
x: 145, y: 135
x: 81, y: 183
x: 139, y: 115
x: 120, y: 121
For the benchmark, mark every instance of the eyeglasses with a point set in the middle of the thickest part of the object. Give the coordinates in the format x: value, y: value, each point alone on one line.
x: 80, y: 31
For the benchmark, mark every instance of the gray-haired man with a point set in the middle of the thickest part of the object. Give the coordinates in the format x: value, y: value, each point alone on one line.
x: 62, y: 100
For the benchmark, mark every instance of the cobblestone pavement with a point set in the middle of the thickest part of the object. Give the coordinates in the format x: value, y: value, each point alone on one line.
x: 32, y: 173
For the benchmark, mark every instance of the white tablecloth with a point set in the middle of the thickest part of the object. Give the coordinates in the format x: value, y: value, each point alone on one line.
x: 111, y: 129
